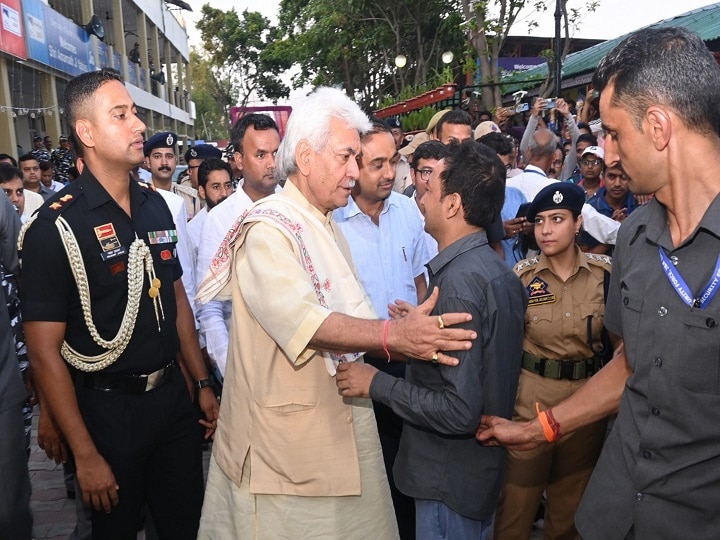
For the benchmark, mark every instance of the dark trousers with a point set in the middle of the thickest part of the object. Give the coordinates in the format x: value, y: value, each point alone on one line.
x: 151, y: 441
x: 390, y: 427
x: 15, y: 515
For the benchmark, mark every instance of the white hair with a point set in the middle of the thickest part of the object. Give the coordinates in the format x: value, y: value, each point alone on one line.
x: 310, y: 120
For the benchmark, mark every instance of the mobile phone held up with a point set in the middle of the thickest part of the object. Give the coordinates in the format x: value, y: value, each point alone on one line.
x: 550, y: 103
x: 522, y: 107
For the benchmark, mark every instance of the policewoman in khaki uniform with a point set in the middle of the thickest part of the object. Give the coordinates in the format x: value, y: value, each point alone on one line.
x: 566, y: 290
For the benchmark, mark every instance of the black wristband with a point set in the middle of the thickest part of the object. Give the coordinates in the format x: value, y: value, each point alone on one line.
x: 203, y: 383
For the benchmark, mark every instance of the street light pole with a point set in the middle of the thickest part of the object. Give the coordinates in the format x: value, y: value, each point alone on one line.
x: 558, y: 48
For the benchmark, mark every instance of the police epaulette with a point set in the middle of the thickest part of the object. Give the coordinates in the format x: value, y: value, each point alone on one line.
x: 522, y: 266
x: 599, y: 260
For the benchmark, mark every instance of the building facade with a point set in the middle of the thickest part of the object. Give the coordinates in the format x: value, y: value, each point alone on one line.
x: 42, y: 47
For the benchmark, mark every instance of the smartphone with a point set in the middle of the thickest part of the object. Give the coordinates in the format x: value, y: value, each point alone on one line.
x: 522, y: 210
x: 522, y: 107
x: 550, y: 103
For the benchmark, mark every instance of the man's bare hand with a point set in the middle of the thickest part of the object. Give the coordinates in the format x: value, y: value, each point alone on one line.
x: 497, y: 431
x: 562, y: 107
x: 538, y: 106
x: 419, y: 335
x: 49, y: 438
x: 353, y: 379
x: 97, y: 482
x: 210, y: 408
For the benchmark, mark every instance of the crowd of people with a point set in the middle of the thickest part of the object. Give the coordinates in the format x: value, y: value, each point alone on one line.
x: 379, y: 335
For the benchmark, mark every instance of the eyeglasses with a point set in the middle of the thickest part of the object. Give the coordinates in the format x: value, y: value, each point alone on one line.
x: 193, y: 166
x: 591, y: 162
x: 557, y: 162
x: 615, y: 176
x: 425, y: 173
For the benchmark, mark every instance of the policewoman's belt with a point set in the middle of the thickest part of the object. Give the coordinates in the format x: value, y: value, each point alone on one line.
x: 573, y: 370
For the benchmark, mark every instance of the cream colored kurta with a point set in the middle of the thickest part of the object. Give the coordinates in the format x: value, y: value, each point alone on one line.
x: 291, y: 458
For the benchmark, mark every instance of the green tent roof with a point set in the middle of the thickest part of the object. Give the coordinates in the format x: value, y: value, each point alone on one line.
x: 704, y: 21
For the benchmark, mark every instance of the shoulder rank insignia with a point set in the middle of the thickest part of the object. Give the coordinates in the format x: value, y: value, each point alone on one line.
x: 602, y: 259
x: 57, y: 205
x: 538, y: 293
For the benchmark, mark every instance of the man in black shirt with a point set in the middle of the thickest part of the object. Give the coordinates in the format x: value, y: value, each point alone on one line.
x: 455, y: 481
x: 106, y: 315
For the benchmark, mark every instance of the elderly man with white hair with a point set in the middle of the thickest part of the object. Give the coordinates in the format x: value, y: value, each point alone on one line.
x: 292, y: 458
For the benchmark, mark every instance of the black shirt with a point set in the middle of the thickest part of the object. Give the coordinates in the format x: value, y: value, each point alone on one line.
x: 104, y: 233
x: 439, y: 457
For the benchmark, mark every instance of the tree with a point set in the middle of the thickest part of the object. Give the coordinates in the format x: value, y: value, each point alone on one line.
x: 213, y: 98
x: 353, y: 43
x: 238, y: 51
x: 488, y: 24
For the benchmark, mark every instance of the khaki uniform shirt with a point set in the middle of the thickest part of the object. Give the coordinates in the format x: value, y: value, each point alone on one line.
x: 557, y: 313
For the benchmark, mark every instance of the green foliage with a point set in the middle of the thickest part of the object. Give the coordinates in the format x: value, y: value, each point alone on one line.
x: 417, y: 120
x: 213, y: 98
x: 241, y: 51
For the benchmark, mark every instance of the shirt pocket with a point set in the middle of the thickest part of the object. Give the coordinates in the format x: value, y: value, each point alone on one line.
x: 631, y: 315
x: 596, y: 310
x: 539, y: 323
x: 700, y: 364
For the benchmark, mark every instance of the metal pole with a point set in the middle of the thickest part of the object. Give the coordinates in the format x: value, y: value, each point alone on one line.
x: 558, y: 48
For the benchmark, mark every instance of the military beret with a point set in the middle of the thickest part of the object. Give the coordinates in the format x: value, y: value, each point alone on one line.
x: 394, y: 123
x: 164, y: 139
x: 202, y: 151
x: 557, y: 195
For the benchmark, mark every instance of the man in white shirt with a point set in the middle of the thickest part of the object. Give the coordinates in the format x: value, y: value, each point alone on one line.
x: 385, y: 235
x: 540, y: 155
x: 255, y: 138
x: 214, y: 186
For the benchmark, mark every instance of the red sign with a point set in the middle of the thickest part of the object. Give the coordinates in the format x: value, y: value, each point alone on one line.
x: 12, y: 37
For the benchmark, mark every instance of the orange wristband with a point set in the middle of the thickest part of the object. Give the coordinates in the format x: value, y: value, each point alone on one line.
x: 551, y: 429
x: 386, y: 329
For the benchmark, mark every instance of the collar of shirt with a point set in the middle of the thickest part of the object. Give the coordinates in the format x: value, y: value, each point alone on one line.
x: 456, y: 248
x: 535, y: 170
x: 352, y: 209
x: 96, y: 195
x: 654, y: 219
x: 580, y: 262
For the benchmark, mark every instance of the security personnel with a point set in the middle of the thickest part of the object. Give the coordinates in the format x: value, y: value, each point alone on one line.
x: 39, y: 152
x: 63, y: 160
x: 161, y: 160
x: 106, y: 316
x: 194, y: 157
x: 564, y: 317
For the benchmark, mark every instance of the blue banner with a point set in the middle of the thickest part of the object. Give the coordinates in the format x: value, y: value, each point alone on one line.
x: 56, y: 41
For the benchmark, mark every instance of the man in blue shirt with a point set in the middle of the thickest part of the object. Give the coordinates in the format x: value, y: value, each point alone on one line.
x: 385, y: 233
x: 454, y: 481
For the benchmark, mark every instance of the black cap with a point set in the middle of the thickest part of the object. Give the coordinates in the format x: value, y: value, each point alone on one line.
x: 202, y: 151
x: 557, y: 195
x: 394, y: 123
x: 164, y: 139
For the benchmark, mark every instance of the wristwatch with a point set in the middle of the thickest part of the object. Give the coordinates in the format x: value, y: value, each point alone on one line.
x: 203, y: 383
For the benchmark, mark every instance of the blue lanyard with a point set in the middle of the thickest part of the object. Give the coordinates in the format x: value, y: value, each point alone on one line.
x: 678, y: 283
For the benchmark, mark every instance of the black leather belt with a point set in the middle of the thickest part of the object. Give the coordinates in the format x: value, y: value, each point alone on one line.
x: 127, y: 384
x: 573, y: 370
